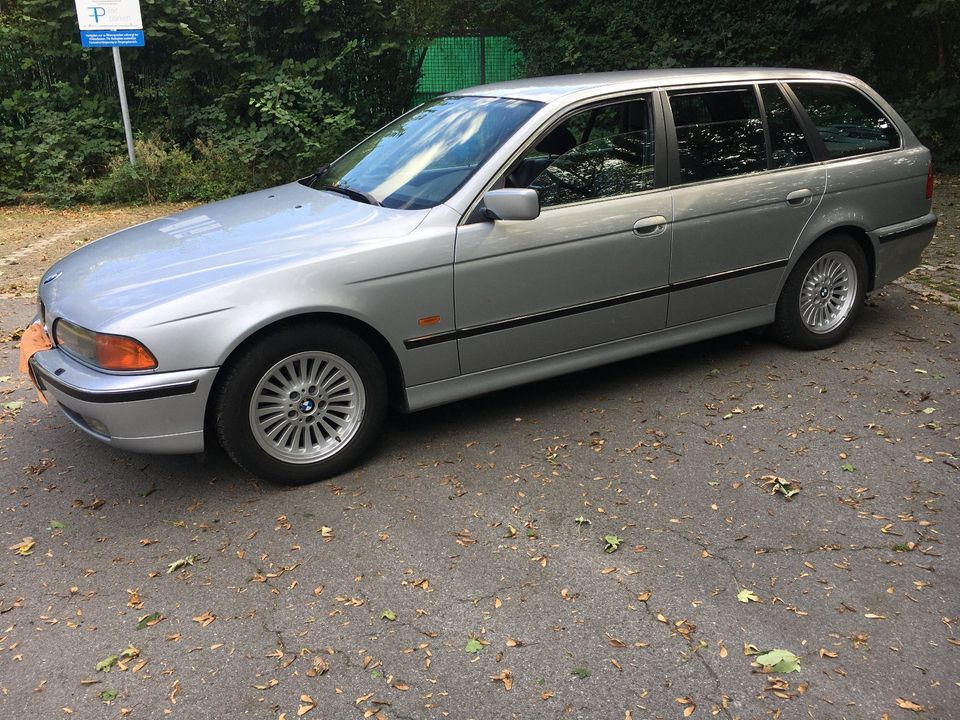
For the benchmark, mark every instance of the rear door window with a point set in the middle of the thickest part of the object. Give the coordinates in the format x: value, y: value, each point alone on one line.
x: 788, y: 143
x: 719, y: 133
x: 847, y: 121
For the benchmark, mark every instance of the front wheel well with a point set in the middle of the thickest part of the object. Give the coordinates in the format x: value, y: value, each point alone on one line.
x: 385, y: 354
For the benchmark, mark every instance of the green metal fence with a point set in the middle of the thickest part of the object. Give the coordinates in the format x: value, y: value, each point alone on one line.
x: 452, y: 63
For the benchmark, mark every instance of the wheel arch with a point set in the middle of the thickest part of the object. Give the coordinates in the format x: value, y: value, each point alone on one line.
x: 370, y: 335
x: 852, y: 230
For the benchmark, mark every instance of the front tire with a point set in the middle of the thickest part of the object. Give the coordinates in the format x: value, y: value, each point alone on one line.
x: 302, y: 404
x: 823, y: 294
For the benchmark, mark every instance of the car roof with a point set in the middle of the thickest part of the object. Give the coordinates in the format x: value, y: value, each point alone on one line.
x: 548, y: 89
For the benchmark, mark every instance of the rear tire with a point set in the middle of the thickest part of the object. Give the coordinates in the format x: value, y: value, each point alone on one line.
x: 302, y: 404
x: 823, y: 294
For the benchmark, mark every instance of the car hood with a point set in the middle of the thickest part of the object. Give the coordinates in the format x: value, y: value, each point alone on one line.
x: 182, y: 253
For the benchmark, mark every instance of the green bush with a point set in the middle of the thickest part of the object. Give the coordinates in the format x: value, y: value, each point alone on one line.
x: 166, y: 173
x: 227, y: 95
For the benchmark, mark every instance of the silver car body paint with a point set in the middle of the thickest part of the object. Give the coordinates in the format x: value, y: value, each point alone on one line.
x: 582, y: 284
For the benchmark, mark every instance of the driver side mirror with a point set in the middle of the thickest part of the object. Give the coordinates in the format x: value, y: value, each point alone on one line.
x: 511, y: 204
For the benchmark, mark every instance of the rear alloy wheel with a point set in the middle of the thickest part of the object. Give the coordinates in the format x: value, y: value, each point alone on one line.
x: 823, y: 294
x: 302, y: 404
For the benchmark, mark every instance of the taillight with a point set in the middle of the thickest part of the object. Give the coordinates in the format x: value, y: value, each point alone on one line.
x: 930, y: 181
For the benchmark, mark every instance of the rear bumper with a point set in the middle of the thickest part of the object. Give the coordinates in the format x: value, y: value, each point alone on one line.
x: 901, y: 245
x: 151, y: 413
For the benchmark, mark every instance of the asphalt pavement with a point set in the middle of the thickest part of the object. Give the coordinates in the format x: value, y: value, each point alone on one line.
x: 610, y: 544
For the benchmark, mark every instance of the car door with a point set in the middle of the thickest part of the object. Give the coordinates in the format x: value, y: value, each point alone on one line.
x: 745, y: 184
x: 593, y: 267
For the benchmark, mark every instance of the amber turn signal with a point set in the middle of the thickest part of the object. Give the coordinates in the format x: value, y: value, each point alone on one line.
x: 116, y: 352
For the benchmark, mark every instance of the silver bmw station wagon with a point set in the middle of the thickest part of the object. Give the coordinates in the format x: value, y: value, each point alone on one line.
x: 493, y: 236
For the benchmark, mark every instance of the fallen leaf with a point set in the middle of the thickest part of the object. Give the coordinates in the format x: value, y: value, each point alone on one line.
x: 910, y: 705
x: 181, y: 563
x: 779, y: 660
x: 205, y: 619
x: 306, y: 705
x: 505, y: 677
x: 689, y: 706
x: 24, y: 547
x: 611, y: 543
x: 388, y: 615
x: 746, y: 596
x: 149, y: 620
x: 107, y: 663
x: 320, y: 666
x: 473, y: 646
x: 787, y: 488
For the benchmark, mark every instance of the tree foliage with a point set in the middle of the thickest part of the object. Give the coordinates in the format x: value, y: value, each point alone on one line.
x: 909, y: 50
x: 279, y: 84
x: 261, y: 91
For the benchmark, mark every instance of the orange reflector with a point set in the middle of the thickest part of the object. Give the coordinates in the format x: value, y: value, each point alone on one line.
x: 116, y: 352
x: 431, y: 320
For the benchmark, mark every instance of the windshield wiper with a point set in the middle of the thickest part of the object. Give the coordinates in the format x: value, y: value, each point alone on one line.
x: 358, y: 195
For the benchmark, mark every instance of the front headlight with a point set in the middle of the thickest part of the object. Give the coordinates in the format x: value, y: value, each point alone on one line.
x: 110, y: 352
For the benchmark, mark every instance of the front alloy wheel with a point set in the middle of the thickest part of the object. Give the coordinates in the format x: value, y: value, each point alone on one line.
x: 301, y: 404
x: 307, y: 406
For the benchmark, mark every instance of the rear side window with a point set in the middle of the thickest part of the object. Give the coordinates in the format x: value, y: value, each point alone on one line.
x: 719, y: 133
x: 846, y: 120
x: 788, y: 144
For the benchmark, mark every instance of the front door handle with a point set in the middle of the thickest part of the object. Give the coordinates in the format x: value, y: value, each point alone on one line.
x: 653, y: 225
x: 799, y: 197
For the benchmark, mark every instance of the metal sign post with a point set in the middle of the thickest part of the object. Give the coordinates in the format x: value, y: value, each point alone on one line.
x: 113, y: 24
x: 124, y: 110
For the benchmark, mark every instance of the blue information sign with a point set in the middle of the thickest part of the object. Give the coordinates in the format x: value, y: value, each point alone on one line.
x: 111, y: 38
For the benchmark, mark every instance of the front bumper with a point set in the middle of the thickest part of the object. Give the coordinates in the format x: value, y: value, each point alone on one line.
x: 151, y: 413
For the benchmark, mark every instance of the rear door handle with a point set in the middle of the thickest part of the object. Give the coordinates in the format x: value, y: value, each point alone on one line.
x: 653, y: 225
x: 799, y: 197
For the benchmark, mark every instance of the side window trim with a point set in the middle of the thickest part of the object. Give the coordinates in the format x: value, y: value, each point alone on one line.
x: 817, y: 146
x: 673, y: 152
x: 767, y: 140
x: 817, y: 140
x: 818, y: 149
x: 660, y: 178
x: 670, y: 130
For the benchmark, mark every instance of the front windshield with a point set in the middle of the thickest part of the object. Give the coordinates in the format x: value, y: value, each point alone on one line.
x: 423, y: 157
